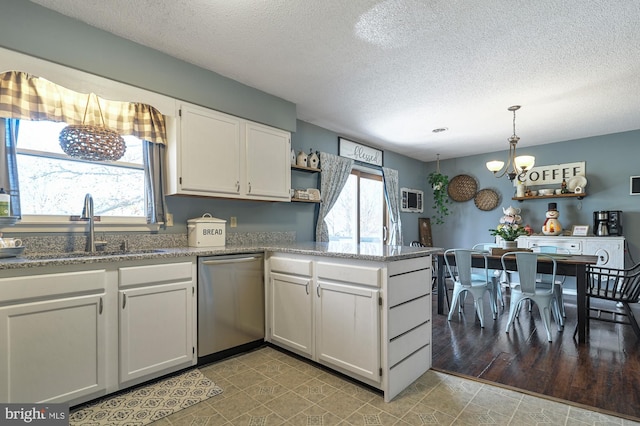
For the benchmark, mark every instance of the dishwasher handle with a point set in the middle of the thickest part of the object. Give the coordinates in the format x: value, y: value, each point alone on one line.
x: 228, y: 261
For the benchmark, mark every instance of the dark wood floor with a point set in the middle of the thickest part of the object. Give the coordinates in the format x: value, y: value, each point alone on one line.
x: 603, y: 373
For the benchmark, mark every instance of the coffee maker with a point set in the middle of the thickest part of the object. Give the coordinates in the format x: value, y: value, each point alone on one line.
x: 607, y: 222
x: 615, y: 222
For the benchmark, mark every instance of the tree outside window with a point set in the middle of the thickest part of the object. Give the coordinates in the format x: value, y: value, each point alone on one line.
x: 52, y: 183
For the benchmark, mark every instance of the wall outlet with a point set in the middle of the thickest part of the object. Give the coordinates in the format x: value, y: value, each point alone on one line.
x: 233, y: 221
x: 169, y: 219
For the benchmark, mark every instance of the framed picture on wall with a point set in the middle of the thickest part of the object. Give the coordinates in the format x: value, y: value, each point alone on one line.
x: 424, y: 224
x: 580, y: 230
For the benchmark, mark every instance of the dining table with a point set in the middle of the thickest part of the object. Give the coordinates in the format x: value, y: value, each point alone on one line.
x: 574, y: 265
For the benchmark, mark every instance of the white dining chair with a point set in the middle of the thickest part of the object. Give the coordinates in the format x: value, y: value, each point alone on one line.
x: 464, y: 283
x: 529, y: 289
x: 498, y: 277
x: 545, y: 281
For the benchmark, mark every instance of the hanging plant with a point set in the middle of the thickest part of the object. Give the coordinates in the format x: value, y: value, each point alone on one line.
x: 439, y: 183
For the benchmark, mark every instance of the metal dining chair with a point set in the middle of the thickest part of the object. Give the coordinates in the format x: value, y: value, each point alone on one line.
x: 546, y: 281
x: 529, y: 289
x: 498, y: 277
x: 434, y: 271
x: 463, y: 282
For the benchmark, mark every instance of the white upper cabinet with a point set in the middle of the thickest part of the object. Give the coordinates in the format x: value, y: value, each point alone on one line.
x: 209, y: 152
x: 219, y: 155
x: 268, y: 164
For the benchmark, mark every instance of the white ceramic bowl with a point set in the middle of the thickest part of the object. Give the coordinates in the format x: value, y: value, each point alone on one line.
x: 533, y: 193
x: 546, y: 191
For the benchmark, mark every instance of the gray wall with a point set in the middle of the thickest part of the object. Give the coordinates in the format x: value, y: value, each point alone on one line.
x: 32, y: 29
x: 29, y: 28
x: 610, y: 160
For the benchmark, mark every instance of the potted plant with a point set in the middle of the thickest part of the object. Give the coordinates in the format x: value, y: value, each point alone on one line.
x: 509, y: 233
x: 439, y: 182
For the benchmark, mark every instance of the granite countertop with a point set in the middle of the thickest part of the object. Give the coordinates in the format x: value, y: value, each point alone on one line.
x: 367, y: 251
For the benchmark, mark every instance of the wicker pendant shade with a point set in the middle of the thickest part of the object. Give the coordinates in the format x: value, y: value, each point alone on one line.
x: 90, y: 142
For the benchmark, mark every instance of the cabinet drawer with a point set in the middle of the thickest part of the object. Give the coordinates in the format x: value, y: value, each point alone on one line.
x: 406, y: 265
x: 405, y: 344
x: 156, y: 273
x: 573, y: 247
x: 290, y: 266
x: 408, y: 315
x: 365, y: 275
x: 48, y: 285
x: 409, y: 286
x: 405, y: 373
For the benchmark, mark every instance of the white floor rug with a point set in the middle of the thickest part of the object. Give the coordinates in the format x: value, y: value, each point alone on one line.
x: 147, y: 404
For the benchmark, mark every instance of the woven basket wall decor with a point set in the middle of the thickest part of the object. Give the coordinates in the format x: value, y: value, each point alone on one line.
x: 462, y: 188
x: 486, y: 199
x: 90, y: 142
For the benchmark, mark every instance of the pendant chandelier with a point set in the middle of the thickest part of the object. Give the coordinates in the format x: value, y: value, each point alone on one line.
x: 92, y: 143
x: 519, y: 165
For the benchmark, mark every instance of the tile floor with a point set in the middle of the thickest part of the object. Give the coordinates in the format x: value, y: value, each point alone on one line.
x: 268, y: 387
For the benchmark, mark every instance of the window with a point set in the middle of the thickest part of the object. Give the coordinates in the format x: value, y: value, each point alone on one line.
x: 52, y: 183
x: 360, y: 214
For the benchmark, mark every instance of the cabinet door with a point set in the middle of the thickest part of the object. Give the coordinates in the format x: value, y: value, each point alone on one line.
x: 290, y: 312
x: 268, y: 164
x: 348, y: 328
x: 156, y: 329
x: 209, y: 152
x: 610, y: 252
x: 52, y: 351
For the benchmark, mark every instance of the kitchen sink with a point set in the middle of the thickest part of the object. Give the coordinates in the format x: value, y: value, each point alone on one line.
x: 76, y: 254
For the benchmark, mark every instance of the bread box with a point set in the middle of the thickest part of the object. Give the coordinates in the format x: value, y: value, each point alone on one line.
x: 206, y: 231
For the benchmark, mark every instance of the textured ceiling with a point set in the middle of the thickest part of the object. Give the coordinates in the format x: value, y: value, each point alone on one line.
x: 387, y: 73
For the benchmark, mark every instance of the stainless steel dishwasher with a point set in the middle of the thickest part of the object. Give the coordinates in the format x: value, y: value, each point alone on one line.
x: 230, y: 305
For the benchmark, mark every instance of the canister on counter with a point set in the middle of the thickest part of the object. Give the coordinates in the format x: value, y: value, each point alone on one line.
x: 206, y: 231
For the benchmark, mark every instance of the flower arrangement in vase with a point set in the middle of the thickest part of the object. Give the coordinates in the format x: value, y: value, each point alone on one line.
x: 509, y: 228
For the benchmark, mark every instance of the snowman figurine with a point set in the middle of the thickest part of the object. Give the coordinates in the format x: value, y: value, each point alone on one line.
x: 551, y: 224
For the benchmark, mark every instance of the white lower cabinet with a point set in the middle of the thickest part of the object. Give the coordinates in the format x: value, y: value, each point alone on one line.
x: 348, y: 328
x: 66, y: 331
x: 291, y: 312
x: 52, y: 344
x: 156, y: 306
x: 335, y: 312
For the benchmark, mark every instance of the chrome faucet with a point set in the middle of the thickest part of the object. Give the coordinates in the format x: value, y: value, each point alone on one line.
x: 87, y: 214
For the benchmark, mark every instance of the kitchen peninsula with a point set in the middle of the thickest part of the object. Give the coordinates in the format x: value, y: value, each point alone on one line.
x: 364, y: 310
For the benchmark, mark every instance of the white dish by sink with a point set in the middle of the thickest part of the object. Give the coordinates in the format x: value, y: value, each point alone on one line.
x: 11, y: 252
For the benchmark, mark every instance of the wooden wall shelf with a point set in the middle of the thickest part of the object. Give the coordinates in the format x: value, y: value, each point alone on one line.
x: 299, y: 200
x: 305, y: 169
x: 538, y: 197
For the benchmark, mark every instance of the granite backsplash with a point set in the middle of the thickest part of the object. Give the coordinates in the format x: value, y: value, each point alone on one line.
x: 142, y: 241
